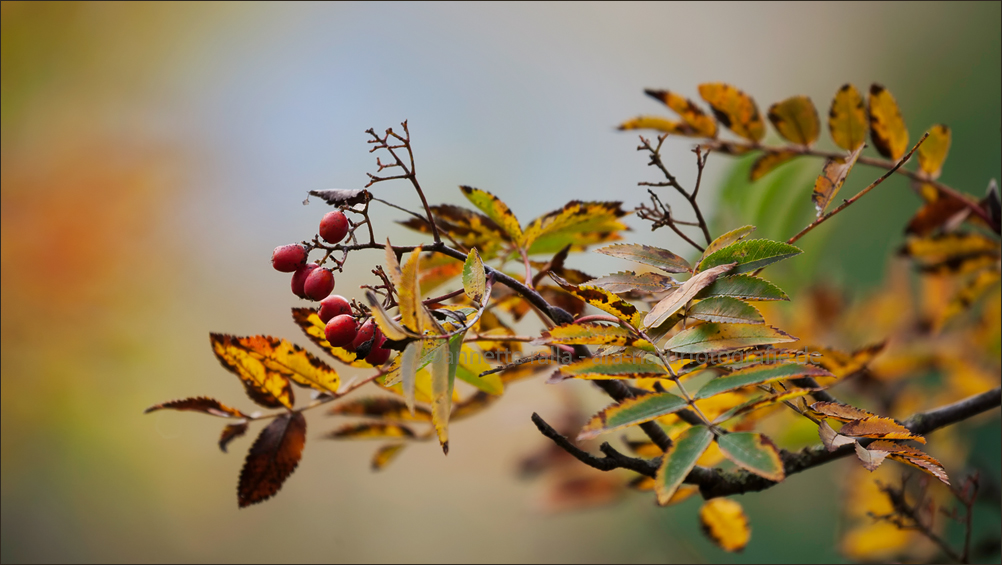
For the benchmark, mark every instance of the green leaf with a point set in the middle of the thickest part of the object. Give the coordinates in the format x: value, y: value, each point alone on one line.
x: 750, y: 255
x: 679, y: 460
x: 753, y: 452
x: 631, y: 412
x: 746, y: 287
x: 443, y: 379
x: 683, y: 294
x: 711, y: 337
x: 408, y: 371
x: 724, y: 309
x: 577, y: 223
x: 759, y: 374
x: 728, y: 238
x: 474, y: 279
x: 611, y: 366
x: 626, y: 281
x: 653, y: 256
x: 494, y: 209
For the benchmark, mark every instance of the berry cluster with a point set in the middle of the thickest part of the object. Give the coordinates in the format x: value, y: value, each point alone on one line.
x: 313, y: 282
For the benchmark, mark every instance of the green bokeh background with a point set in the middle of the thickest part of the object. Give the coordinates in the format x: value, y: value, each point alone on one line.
x: 154, y: 154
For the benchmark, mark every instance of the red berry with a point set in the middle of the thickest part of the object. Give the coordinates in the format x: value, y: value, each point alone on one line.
x: 319, y: 284
x: 340, y: 331
x: 333, y: 227
x: 379, y: 354
x: 299, y: 278
x: 288, y: 258
x: 333, y: 305
x: 366, y: 333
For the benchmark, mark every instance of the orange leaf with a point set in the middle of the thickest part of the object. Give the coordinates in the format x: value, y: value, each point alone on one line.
x: 841, y: 412
x: 265, y: 385
x: 273, y: 457
x: 877, y: 427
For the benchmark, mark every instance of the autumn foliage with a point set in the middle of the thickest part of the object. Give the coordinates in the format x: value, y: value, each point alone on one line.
x: 701, y: 369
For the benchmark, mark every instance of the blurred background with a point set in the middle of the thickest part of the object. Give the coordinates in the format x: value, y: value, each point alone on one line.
x: 154, y: 154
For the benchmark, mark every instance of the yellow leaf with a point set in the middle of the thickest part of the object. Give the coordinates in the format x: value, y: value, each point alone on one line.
x: 969, y: 293
x: 373, y: 430
x: 385, y: 455
x: 796, y: 119
x: 311, y: 324
x: 468, y: 228
x: 724, y: 522
x: 887, y: 129
x: 390, y: 328
x: 769, y: 161
x: 735, y: 109
x: 495, y: 209
x: 832, y: 178
x: 575, y: 219
x: 413, y: 313
x: 698, y: 121
x: 437, y: 270
x: 847, y: 118
x: 474, y: 279
x: 932, y: 152
x: 267, y: 383
x: 659, y: 124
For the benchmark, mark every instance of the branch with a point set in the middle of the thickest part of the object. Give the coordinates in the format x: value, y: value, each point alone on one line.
x: 714, y: 482
x: 973, y: 206
x: 860, y: 194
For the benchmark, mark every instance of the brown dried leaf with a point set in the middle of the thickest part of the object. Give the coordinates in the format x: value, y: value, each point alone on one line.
x: 230, y: 433
x: 273, y: 457
x: 832, y: 178
x: 880, y: 428
x: 871, y: 458
x: 831, y: 439
x: 202, y: 404
x: 841, y: 412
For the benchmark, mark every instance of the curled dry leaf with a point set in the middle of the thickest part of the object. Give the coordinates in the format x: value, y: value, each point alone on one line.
x: 831, y: 439
x: 230, y: 433
x: 273, y: 457
x: 341, y: 196
x: 724, y: 522
x: 832, y: 178
x: 683, y: 294
x: 871, y: 458
x: 911, y: 456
